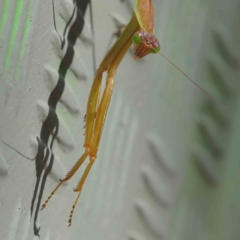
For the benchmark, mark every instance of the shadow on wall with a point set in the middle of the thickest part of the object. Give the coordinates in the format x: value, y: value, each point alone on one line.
x: 45, y: 158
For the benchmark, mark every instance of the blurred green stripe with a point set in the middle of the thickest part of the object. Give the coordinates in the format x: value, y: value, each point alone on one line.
x: 14, y: 32
x: 26, y: 30
x: 4, y: 15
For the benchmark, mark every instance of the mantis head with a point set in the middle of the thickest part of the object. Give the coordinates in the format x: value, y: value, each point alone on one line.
x: 145, y: 43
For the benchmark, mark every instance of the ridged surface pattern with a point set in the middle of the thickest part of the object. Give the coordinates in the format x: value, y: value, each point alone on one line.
x: 164, y: 145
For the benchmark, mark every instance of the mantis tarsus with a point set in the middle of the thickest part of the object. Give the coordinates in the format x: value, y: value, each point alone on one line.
x: 139, y: 31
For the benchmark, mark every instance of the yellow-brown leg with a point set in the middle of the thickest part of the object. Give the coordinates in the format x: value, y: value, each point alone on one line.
x: 79, y: 187
x: 92, y: 107
x: 101, y: 113
x: 104, y: 104
x: 68, y: 176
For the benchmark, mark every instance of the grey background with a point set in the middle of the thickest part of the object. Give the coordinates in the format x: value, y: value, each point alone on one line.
x: 168, y: 163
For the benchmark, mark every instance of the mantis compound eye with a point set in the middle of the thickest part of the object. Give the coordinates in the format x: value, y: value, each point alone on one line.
x: 155, y: 49
x: 137, y: 39
x: 145, y: 43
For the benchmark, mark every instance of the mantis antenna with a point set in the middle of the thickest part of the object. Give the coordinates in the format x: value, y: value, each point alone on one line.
x: 210, y: 96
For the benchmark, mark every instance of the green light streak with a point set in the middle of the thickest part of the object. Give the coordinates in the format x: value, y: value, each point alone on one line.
x: 14, y: 32
x: 4, y: 16
x: 26, y: 30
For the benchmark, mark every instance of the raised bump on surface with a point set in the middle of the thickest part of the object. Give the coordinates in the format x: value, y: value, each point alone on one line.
x: 154, y: 222
x: 3, y: 166
x: 158, y: 150
x: 155, y: 186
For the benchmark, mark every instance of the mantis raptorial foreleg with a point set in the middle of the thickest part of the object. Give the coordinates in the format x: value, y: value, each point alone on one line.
x: 68, y: 176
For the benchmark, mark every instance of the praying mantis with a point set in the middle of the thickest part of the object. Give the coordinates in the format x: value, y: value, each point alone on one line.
x: 139, y: 32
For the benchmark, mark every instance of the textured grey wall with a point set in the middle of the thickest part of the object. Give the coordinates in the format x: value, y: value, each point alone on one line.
x: 165, y: 145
